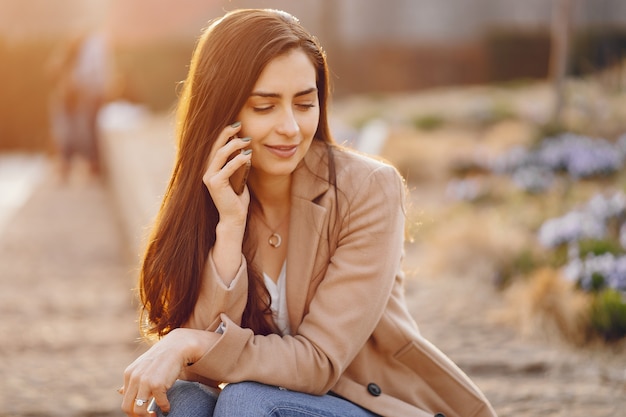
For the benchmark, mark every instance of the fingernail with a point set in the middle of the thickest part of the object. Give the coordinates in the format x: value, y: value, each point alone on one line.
x: 246, y: 139
x: 246, y: 151
x: 236, y: 124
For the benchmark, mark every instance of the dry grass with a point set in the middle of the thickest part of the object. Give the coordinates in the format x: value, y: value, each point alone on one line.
x: 547, y: 305
x: 469, y: 243
x: 429, y: 156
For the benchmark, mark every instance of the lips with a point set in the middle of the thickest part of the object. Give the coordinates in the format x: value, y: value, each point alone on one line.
x: 282, y: 151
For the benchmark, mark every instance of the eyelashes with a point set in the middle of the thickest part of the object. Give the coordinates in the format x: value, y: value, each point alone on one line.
x: 266, y: 109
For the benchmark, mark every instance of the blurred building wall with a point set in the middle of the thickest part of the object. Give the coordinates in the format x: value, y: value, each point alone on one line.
x: 373, y: 45
x: 41, y: 19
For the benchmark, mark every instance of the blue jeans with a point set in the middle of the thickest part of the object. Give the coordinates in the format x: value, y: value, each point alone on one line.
x: 251, y: 399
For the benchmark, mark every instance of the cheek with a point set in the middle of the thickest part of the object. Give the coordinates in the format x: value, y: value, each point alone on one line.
x: 253, y: 127
x: 308, y: 125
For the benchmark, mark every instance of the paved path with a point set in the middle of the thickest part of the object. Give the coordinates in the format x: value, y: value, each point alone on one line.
x: 67, y: 329
x: 19, y: 172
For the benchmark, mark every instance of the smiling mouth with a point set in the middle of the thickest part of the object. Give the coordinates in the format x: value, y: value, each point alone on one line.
x: 285, y: 151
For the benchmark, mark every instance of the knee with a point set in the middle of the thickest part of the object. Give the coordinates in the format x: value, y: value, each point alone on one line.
x: 190, y: 399
x: 245, y: 399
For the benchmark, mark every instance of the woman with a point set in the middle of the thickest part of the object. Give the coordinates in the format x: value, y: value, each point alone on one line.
x: 290, y: 293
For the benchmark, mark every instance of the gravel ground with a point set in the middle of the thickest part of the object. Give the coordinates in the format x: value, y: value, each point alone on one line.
x: 68, y: 320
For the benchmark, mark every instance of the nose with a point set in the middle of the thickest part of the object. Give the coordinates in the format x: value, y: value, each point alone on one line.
x: 288, y: 124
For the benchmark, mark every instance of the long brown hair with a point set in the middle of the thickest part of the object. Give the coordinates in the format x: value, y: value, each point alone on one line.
x: 227, y: 60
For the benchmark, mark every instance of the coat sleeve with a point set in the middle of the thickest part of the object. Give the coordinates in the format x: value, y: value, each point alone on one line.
x: 215, y: 297
x: 348, y: 303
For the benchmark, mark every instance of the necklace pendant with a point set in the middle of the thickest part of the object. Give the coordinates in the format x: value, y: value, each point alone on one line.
x: 275, y: 240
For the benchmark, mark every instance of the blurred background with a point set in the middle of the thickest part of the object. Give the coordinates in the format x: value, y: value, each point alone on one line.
x: 373, y: 46
x: 507, y: 118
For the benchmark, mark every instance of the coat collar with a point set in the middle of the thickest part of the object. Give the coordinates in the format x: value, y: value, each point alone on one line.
x: 311, y: 177
x: 310, y: 181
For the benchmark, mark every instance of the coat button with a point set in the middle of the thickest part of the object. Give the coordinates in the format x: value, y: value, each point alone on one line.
x: 440, y: 415
x: 374, y: 389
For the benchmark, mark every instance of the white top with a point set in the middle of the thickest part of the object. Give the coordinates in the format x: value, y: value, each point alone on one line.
x: 278, y: 306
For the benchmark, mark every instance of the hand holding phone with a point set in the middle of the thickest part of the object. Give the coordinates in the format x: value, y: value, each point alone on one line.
x: 239, y: 178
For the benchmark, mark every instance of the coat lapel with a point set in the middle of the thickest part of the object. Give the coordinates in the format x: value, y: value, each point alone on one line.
x: 306, y: 228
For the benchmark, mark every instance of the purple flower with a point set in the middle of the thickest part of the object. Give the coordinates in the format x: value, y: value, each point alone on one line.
x: 571, y: 227
x: 612, y: 268
x: 605, y: 207
x: 533, y: 179
x: 578, y: 156
x: 588, y: 222
x: 465, y: 190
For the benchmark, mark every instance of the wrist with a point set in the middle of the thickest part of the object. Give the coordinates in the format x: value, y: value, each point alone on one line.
x: 230, y: 231
x: 194, y: 344
x: 226, y: 252
x: 231, y: 227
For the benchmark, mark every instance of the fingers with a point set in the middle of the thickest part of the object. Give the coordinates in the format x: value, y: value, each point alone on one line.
x: 138, y: 391
x: 143, y: 404
x: 160, y: 398
x: 228, y: 154
x: 229, y: 158
x: 228, y: 133
x: 140, y: 407
x: 155, y: 371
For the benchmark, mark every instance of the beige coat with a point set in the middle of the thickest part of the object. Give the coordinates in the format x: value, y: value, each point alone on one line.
x: 352, y: 332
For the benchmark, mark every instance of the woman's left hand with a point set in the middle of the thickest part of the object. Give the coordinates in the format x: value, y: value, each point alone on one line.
x: 154, y: 372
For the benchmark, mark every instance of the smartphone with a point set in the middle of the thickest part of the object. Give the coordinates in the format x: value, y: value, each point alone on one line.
x: 152, y: 407
x: 239, y: 178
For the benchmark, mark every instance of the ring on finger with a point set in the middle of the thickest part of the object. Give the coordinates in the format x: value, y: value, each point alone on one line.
x: 139, y: 402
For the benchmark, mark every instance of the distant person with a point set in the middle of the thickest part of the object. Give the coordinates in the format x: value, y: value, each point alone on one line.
x: 288, y: 288
x: 82, y: 78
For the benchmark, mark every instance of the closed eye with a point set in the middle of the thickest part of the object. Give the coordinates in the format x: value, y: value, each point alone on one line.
x: 262, y: 109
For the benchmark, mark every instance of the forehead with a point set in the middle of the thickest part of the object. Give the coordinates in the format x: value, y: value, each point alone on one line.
x: 292, y: 70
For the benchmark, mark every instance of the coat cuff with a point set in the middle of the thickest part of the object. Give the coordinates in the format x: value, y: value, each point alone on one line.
x: 219, y: 361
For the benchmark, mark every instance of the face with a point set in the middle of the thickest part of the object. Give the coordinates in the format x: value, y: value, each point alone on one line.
x: 281, y: 115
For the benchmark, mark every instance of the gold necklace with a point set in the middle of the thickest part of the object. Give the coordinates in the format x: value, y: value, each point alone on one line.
x: 275, y: 239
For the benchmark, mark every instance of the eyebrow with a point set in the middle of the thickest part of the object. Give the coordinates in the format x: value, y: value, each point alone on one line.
x: 276, y: 95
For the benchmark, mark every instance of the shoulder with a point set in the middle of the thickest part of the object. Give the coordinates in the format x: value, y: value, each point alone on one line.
x: 355, y: 170
x: 350, y: 162
x: 351, y: 173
